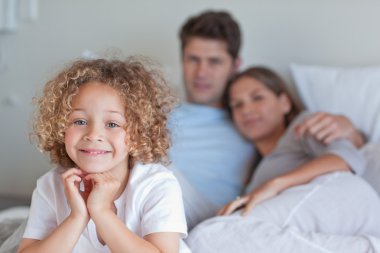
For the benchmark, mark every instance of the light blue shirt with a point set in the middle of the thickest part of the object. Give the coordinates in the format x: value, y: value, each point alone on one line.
x: 209, y: 152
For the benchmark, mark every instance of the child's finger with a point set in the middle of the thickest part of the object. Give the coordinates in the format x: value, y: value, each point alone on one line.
x: 73, y: 181
x: 70, y: 172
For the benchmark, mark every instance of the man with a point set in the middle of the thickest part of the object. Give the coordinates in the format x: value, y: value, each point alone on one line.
x: 210, y: 159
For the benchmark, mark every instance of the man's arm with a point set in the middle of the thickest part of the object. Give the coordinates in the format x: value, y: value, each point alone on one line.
x: 327, y: 127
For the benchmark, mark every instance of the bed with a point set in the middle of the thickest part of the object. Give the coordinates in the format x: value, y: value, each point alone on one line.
x: 354, y: 92
x: 358, y: 90
x: 12, y: 224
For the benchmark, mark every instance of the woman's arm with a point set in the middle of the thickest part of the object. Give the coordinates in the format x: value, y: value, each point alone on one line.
x: 303, y: 174
x: 322, y: 158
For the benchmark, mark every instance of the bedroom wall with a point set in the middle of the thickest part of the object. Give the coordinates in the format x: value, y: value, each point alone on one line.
x: 331, y: 32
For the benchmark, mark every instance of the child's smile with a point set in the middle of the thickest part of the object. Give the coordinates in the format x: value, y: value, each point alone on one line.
x: 94, y: 152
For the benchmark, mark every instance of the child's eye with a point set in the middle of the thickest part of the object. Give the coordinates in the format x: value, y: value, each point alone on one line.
x: 80, y: 122
x: 112, y: 125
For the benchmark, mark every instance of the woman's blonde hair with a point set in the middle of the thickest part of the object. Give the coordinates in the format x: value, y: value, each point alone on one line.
x: 147, y: 100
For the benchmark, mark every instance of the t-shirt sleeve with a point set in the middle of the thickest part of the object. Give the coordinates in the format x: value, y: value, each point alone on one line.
x: 41, y: 220
x: 162, y: 209
x: 342, y: 148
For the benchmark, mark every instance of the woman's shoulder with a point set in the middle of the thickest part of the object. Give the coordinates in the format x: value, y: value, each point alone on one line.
x: 300, y: 118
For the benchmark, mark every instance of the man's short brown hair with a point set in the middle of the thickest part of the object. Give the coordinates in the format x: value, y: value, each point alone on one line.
x: 213, y: 25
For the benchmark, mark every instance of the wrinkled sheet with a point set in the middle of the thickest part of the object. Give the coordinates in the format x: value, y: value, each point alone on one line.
x: 237, y: 234
x: 12, y: 226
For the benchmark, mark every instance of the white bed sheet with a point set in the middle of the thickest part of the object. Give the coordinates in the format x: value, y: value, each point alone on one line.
x: 12, y: 226
x: 18, y: 212
x: 236, y: 234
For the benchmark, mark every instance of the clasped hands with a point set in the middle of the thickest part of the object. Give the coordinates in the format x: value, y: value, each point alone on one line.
x: 99, y: 193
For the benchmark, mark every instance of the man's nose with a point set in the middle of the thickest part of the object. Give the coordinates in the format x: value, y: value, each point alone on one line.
x: 202, y: 69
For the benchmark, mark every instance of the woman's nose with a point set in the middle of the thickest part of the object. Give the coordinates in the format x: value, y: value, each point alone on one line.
x: 248, y: 108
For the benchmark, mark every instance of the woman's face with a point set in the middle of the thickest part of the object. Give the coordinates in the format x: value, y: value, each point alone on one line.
x: 257, y: 111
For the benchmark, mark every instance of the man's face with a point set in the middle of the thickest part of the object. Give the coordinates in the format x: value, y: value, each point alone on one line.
x: 207, y: 67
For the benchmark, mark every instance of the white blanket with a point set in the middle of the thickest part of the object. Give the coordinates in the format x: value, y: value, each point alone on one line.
x: 252, y: 235
x: 12, y: 225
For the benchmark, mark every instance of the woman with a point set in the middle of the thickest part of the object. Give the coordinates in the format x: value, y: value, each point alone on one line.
x: 299, y: 182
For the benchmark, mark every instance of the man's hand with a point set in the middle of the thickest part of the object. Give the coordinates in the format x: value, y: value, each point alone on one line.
x: 327, y: 127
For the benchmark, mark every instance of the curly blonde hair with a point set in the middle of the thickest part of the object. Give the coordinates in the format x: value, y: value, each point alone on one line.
x: 143, y: 90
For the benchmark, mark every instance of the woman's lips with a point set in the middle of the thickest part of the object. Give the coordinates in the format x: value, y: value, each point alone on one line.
x: 250, y: 122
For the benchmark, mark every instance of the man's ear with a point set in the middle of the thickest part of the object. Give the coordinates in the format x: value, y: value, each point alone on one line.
x: 286, y: 103
x: 237, y: 63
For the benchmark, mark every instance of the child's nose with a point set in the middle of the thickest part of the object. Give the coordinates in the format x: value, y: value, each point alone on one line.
x: 94, y: 133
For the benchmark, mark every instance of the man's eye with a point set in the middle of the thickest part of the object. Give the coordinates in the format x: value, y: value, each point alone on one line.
x: 112, y: 125
x: 215, y: 61
x: 80, y: 122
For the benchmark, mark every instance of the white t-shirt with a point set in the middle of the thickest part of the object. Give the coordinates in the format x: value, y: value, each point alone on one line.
x: 151, y: 203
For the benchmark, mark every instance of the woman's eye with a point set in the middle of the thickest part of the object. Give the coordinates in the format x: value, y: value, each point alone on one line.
x: 235, y: 105
x: 258, y: 98
x: 79, y: 122
x: 112, y: 125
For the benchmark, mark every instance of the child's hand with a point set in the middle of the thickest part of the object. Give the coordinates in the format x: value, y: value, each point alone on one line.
x: 76, y: 198
x: 104, y: 192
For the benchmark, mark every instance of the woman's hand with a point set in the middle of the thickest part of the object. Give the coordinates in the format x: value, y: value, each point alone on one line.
x: 104, y: 192
x: 76, y: 198
x: 264, y: 192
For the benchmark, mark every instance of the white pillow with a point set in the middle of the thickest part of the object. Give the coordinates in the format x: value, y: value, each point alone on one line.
x: 353, y: 92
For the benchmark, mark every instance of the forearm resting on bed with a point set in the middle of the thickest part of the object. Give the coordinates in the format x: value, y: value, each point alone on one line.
x: 61, y: 240
x: 319, y: 166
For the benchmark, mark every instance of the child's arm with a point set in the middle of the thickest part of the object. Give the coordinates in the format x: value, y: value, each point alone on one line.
x: 119, y: 238
x: 112, y: 231
x: 65, y: 236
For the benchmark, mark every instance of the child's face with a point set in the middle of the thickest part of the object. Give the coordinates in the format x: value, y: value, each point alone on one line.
x: 95, y: 138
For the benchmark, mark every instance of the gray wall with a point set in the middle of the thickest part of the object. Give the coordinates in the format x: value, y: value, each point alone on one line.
x: 332, y: 32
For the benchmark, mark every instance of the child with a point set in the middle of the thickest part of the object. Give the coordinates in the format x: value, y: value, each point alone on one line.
x: 104, y: 124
